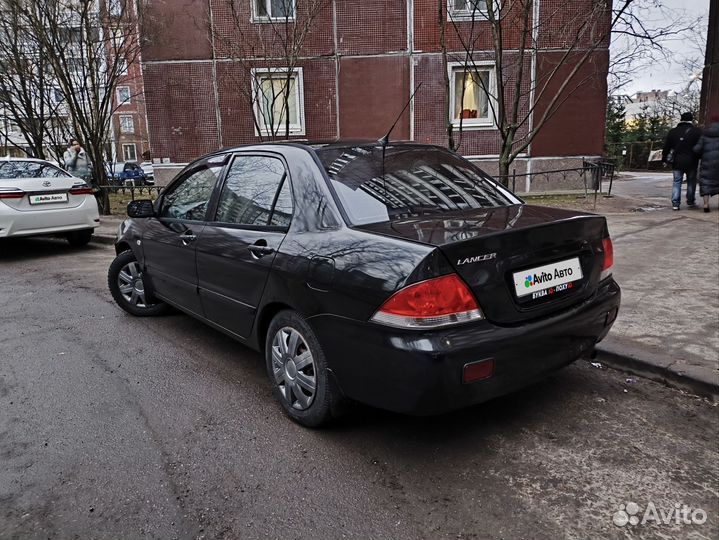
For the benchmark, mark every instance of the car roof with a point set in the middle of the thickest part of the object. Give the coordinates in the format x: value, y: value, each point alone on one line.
x: 313, y: 146
x: 320, y: 145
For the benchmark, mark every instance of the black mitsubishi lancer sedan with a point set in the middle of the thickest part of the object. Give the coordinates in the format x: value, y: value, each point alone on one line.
x: 398, y: 275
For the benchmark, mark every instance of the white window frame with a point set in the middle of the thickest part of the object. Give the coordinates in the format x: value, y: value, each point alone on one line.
x: 474, y: 123
x: 295, y: 129
x: 124, y: 153
x: 466, y: 14
x: 129, y: 95
x: 127, y: 117
x: 257, y: 18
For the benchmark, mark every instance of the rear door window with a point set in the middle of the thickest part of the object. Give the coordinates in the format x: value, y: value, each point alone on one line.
x: 256, y: 193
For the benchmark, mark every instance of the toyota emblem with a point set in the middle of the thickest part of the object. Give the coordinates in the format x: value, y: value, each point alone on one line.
x: 46, y: 183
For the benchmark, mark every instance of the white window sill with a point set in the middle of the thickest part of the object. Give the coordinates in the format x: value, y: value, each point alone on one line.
x: 280, y: 132
x: 467, y: 15
x: 470, y: 126
x: 267, y: 20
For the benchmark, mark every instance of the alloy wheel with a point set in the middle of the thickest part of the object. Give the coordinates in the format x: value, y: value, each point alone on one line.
x: 293, y: 368
x: 132, y: 289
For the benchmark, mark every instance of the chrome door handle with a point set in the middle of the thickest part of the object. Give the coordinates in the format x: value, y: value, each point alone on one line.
x: 260, y: 251
x: 187, y: 237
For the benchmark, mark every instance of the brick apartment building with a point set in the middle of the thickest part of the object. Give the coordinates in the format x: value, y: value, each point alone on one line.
x: 130, y: 138
x: 356, y: 70
x: 129, y: 120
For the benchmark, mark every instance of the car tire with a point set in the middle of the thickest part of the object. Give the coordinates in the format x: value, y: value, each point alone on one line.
x: 79, y: 238
x: 290, y: 338
x: 124, y: 278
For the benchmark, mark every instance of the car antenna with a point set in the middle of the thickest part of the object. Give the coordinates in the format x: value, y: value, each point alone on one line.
x: 384, y: 141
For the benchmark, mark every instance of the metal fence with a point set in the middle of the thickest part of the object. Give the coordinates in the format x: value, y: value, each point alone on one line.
x: 594, y: 176
x: 139, y: 192
x: 638, y: 155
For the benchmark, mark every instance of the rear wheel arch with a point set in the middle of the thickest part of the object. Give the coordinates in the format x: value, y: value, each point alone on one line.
x: 264, y: 319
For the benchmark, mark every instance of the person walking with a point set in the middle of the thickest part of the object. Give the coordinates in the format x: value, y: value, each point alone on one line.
x: 707, y: 149
x: 679, y: 154
x: 76, y: 161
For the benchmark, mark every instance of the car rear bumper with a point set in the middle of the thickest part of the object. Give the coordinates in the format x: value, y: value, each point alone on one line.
x: 417, y: 372
x: 48, y: 221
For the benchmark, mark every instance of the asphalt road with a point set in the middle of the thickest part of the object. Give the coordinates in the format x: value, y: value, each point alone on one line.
x: 117, y: 427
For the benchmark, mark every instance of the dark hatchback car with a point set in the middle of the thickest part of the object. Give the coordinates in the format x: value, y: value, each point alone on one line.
x: 402, y: 276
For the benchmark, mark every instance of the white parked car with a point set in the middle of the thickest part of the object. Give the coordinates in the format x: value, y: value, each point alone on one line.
x: 149, y: 169
x: 38, y: 198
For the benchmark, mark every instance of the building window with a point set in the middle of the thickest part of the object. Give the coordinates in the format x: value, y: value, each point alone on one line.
x: 127, y: 124
x: 123, y: 95
x: 57, y: 96
x: 273, y: 10
x: 115, y: 8
x: 279, y: 98
x: 122, y: 66
x: 471, y: 96
x: 467, y: 9
x: 129, y: 152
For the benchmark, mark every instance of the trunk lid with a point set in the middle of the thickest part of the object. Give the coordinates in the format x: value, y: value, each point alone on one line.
x: 521, y: 262
x: 55, y: 193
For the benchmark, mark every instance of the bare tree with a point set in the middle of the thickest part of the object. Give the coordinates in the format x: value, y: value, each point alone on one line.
x: 643, y: 37
x: 268, y: 55
x: 520, y: 102
x: 28, y: 95
x: 91, y: 45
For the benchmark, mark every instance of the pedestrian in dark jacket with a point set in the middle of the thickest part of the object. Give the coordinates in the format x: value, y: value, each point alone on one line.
x: 679, y: 153
x: 707, y: 149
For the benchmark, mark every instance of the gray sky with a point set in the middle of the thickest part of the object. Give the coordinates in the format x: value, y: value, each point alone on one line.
x: 671, y: 76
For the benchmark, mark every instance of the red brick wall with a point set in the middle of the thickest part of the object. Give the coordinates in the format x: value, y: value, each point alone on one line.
x: 181, y: 110
x: 374, y: 75
x: 236, y: 35
x: 430, y: 104
x: 176, y: 30
x: 236, y: 110
x: 373, y: 92
x: 371, y: 26
x: 577, y: 128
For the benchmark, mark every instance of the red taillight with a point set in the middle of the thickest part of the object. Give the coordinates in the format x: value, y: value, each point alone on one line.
x: 608, y: 258
x: 436, y: 302
x: 82, y: 190
x: 11, y: 193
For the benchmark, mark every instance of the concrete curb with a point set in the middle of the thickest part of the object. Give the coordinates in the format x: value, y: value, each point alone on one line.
x: 659, y: 370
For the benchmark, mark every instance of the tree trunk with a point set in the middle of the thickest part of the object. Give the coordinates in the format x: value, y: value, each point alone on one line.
x: 99, y: 177
x: 504, y: 163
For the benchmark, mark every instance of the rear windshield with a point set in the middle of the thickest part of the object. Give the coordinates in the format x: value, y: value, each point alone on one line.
x: 412, y: 180
x: 30, y: 169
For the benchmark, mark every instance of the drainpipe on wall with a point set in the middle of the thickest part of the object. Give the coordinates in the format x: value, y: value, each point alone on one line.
x: 337, y: 67
x: 215, y: 88
x: 410, y: 50
x: 533, y: 84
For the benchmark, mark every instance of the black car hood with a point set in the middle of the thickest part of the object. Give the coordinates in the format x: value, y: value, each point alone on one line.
x: 450, y: 227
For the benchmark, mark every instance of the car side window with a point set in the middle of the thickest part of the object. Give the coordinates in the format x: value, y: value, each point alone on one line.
x: 257, y: 192
x: 189, y: 199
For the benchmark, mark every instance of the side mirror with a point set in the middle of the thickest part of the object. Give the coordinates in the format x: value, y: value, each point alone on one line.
x: 141, y: 208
